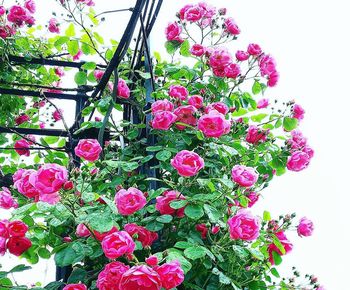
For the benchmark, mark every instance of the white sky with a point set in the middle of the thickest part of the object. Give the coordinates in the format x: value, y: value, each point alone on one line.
x: 310, y: 41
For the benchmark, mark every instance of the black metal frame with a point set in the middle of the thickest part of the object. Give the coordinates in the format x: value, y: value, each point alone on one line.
x: 145, y: 13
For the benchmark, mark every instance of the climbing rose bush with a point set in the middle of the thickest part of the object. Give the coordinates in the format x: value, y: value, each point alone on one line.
x: 164, y: 203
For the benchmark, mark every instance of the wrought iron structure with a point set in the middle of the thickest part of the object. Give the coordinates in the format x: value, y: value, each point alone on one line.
x: 143, y: 17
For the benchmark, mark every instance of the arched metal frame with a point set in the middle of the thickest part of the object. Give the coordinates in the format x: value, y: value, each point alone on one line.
x: 143, y: 13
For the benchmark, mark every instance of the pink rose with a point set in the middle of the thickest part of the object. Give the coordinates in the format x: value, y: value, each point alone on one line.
x: 57, y: 115
x: 252, y: 196
x: 123, y: 89
x: 54, y: 26
x: 162, y: 105
x: 129, y: 201
x: 256, y: 135
x: 305, y: 227
x: 202, y: 228
x: 273, y: 79
x: 267, y: 65
x: 2, y: 10
x: 22, y: 119
x: 163, y: 120
x: 22, y: 184
x: 59, y: 71
x: 213, y: 124
x: 170, y: 274
x: 254, y: 49
x: 17, y: 229
x: 193, y: 14
x: 244, y: 176
x: 87, y: 2
x: 100, y: 236
x: 3, y: 32
x: 197, y: 50
x: 118, y: 244
x: 298, y: 161
x: 287, y: 245
x: 3, y: 246
x: 242, y: 55
x: 88, y: 149
x: 183, y: 11
x: 231, y: 26
x: 18, y: 245
x: 298, y: 141
x: 215, y: 230
x: 98, y: 74
x: 218, y: 106
x: 163, y: 203
x: 207, y: 10
x: 78, y: 55
x: 298, y: 112
x: 173, y: 31
x: 232, y: 71
x: 49, y: 178
x: 244, y: 226
x: 6, y: 199
x: 140, y: 277
x: 18, y: 15
x: 185, y: 114
x: 82, y: 231
x: 75, y: 287
x: 187, y: 163
x: 220, y: 58
x: 196, y: 101
x: 144, y: 236
x: 309, y: 151
x: 152, y: 261
x: 110, y: 276
x: 21, y: 147
x: 30, y: 5
x: 3, y: 229
x: 263, y: 103
x: 178, y: 92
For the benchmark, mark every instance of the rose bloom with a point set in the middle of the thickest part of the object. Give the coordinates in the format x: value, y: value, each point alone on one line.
x: 214, y: 124
x: 100, y: 236
x: 183, y: 11
x: 254, y: 49
x: 218, y: 106
x: 202, y: 228
x: 87, y: 2
x: 49, y: 178
x: 287, y: 245
x: 18, y: 245
x: 263, y: 103
x: 242, y: 55
x: 231, y: 26
x: 57, y: 115
x: 163, y: 203
x: 82, y: 231
x: 298, y: 161
x: 298, y: 141
x: 2, y: 10
x: 6, y: 199
x: 54, y: 26
x: 255, y: 135
x: 252, y: 196
x: 22, y: 184
x: 170, y: 274
x: 187, y: 163
x: 244, y: 176
x: 178, y: 92
x: 173, y: 31
x: 152, y: 261
x: 3, y: 246
x: 75, y: 287
x: 18, y: 15
x: 88, y: 149
x: 140, y: 277
x: 232, y: 71
x: 193, y: 14
x: 197, y: 50
x: 163, y: 120
x: 3, y: 32
x: 17, y: 229
x: 220, y: 58
x: 110, y: 276
x: 117, y: 244
x: 267, y: 65
x: 305, y: 227
x: 21, y: 147
x: 22, y: 119
x: 185, y: 114
x: 30, y: 5
x: 196, y: 101
x: 273, y: 79
x: 3, y: 228
x: 144, y: 236
x: 129, y: 201
x: 298, y: 112
x: 162, y: 105
x: 78, y: 55
x: 244, y: 226
x: 98, y: 74
x: 123, y: 89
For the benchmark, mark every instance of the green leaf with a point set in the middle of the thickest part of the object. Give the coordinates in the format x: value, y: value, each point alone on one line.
x: 195, y: 252
x: 73, y: 47
x: 266, y: 216
x: 101, y: 222
x: 154, y: 148
x: 54, y: 285
x: 88, y: 196
x: 258, y: 118
x: 89, y: 65
x: 194, y: 211
x: 163, y: 155
x: 70, y: 31
x: 289, y: 124
x: 275, y: 272
x: 44, y: 253
x: 257, y: 254
x: 183, y: 245
x: 166, y: 218
x: 213, y: 214
x: 67, y: 256
x: 185, y: 48
x: 256, y: 89
x: 171, y: 46
x: 80, y: 78
x: 19, y: 268
x: 78, y: 275
x: 99, y: 38
x: 278, y: 244
x: 276, y: 258
x: 178, y: 204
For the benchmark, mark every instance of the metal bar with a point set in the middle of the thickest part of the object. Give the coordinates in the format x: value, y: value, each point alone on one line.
x: 18, y: 92
x: 40, y: 132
